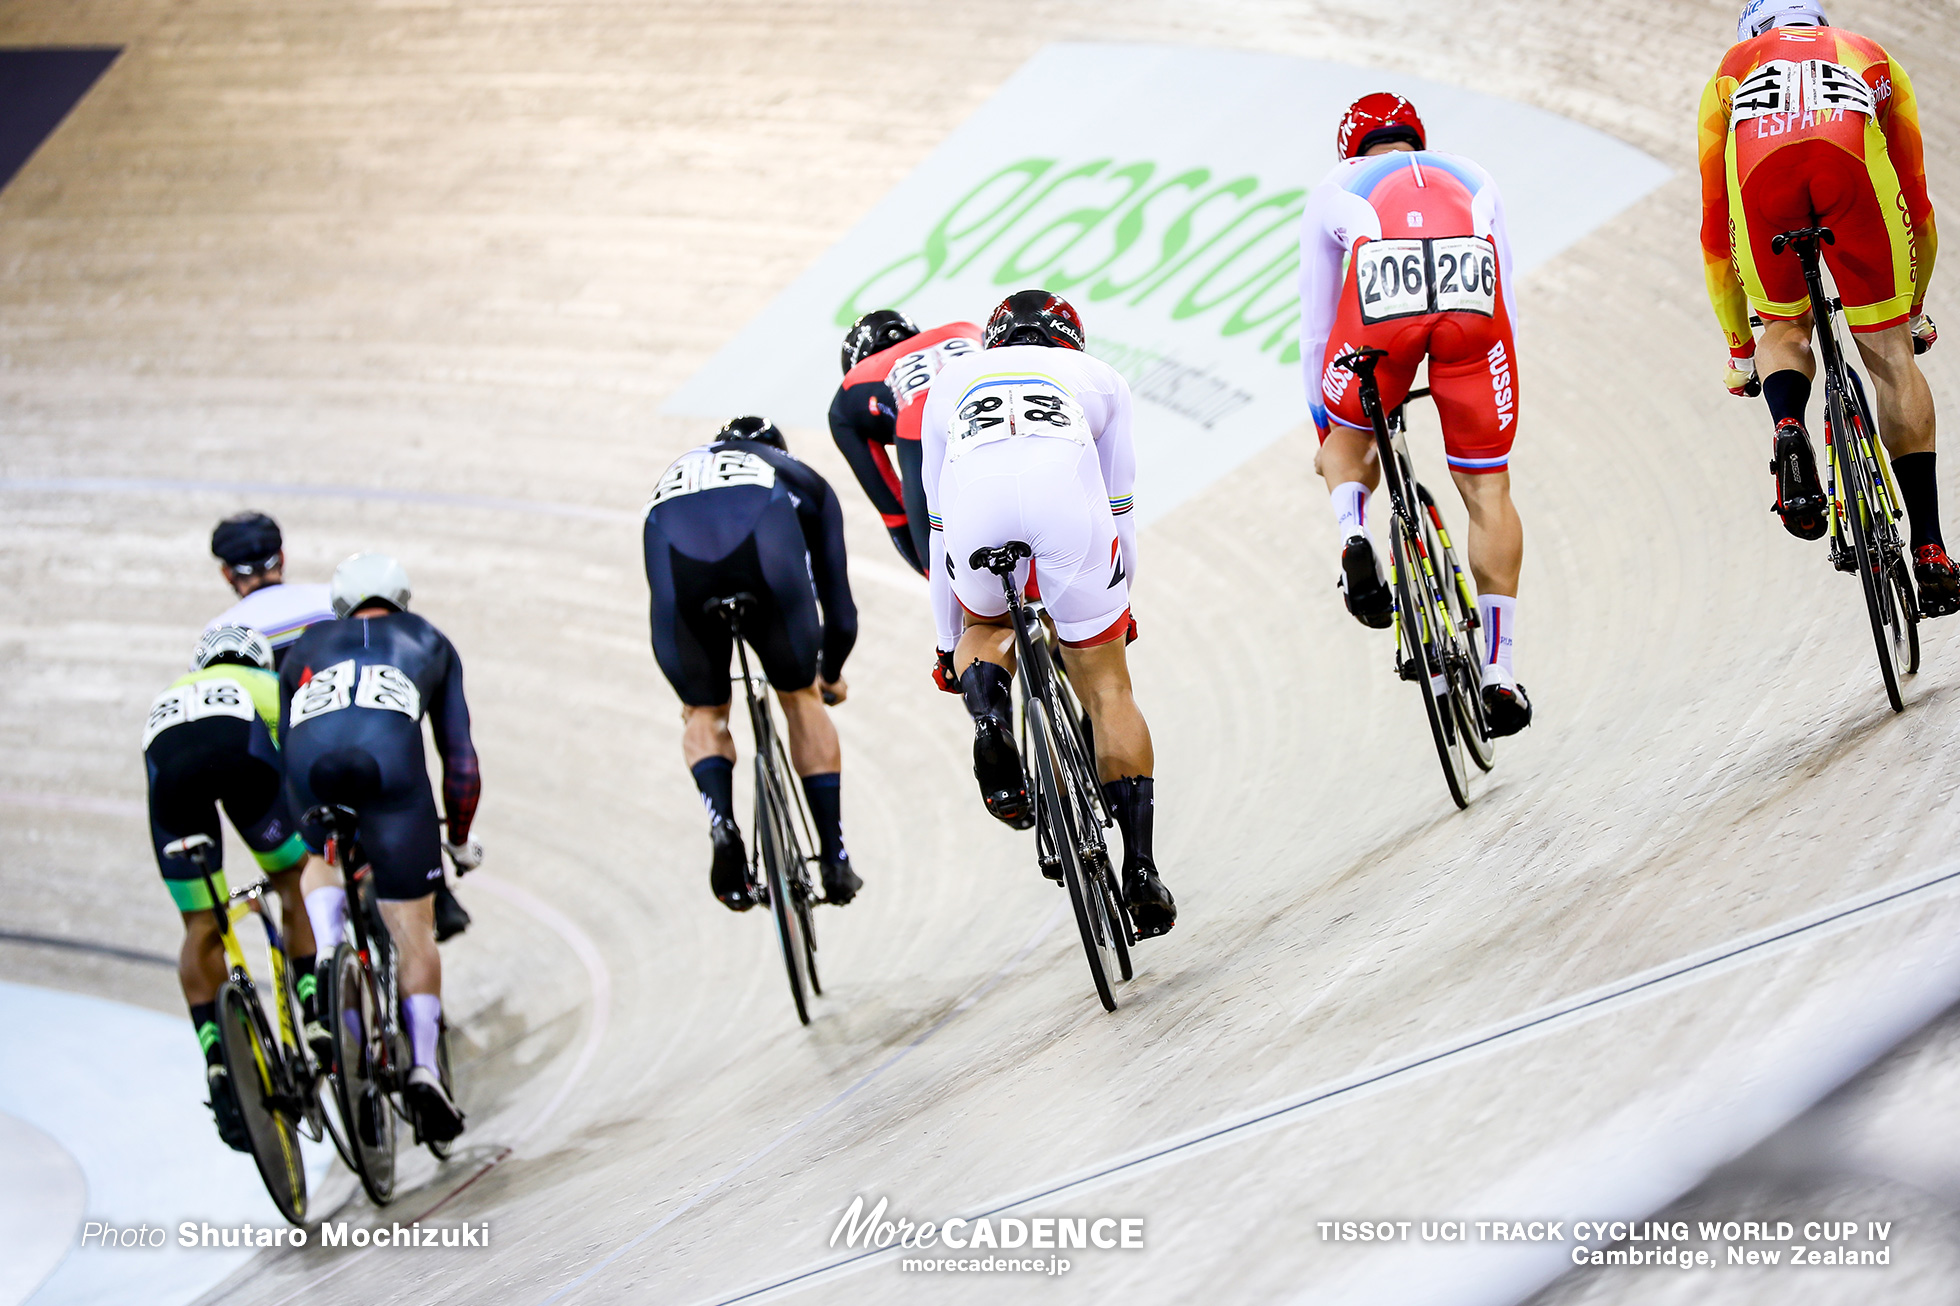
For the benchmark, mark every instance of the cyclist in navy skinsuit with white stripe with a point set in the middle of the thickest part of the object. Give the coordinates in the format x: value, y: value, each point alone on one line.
x: 741, y: 516
x: 354, y: 692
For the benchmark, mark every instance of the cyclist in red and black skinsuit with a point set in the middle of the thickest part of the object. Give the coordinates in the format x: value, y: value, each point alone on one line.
x: 889, y: 365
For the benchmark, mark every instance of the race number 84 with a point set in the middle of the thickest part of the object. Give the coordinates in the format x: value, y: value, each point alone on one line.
x: 1406, y: 278
x: 1003, y: 411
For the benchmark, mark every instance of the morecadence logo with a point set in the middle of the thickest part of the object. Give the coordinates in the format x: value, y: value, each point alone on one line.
x: 1164, y: 199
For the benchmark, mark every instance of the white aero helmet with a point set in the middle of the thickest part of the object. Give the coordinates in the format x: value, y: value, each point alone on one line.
x: 1758, y: 16
x: 240, y: 644
x: 367, y: 576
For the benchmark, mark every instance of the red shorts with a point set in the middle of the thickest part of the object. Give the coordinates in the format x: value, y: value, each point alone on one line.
x: 1818, y: 181
x: 1472, y: 375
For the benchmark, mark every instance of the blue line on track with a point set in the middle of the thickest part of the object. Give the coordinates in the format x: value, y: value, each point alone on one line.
x: 269, y: 489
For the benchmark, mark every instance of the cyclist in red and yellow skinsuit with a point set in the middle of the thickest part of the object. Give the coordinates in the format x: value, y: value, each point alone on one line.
x: 1803, y: 124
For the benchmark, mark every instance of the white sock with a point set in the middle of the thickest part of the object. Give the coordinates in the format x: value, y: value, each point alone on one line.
x: 1351, y: 509
x: 1499, y: 615
x: 424, y: 1014
x: 326, y: 912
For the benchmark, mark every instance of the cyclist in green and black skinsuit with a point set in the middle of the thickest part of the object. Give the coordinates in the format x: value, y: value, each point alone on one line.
x: 213, y: 737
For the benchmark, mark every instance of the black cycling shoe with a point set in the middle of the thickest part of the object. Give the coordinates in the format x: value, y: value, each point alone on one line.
x: 224, y: 1109
x: 1938, y: 581
x: 988, y: 690
x: 1361, y: 585
x: 840, y: 882
x: 451, y: 919
x: 1152, y: 909
x: 997, y: 766
x: 1799, y: 497
x: 730, y: 876
x: 1507, y: 709
x: 436, y: 1117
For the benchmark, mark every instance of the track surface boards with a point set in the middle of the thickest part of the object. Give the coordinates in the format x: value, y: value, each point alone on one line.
x: 467, y: 248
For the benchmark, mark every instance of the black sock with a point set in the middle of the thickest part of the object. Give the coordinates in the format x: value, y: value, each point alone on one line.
x: 204, y: 1019
x: 1787, y: 393
x: 305, y: 984
x: 715, y: 778
x: 988, y: 691
x: 1921, y: 491
x: 826, y: 809
x: 1132, y: 801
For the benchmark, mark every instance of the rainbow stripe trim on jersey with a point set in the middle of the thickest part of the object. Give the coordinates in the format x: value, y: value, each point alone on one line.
x: 1117, y: 507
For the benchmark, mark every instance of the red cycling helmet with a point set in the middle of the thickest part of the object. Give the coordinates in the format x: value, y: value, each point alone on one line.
x: 1373, y: 119
x: 1034, y: 317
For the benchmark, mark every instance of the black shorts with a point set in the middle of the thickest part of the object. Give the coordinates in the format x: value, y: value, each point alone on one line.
x: 197, y: 765
x: 365, y: 760
x: 771, y: 562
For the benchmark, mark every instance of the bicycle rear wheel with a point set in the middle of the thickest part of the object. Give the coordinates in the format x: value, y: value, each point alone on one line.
x: 772, y: 829
x: 1423, y: 635
x: 1862, y: 505
x: 1465, y: 652
x: 1061, y: 819
x: 360, y: 1055
x: 266, y: 1099
x: 1905, y: 635
x: 1073, y: 744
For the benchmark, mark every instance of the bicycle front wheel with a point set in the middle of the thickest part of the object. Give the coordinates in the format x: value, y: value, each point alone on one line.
x: 360, y: 1060
x: 1424, y: 636
x: 266, y: 1100
x: 777, y: 850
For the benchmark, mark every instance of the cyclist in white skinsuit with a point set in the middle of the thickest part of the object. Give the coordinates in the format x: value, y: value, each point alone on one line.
x: 1029, y: 440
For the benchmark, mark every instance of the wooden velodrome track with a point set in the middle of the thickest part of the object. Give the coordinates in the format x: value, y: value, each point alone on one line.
x: 466, y: 248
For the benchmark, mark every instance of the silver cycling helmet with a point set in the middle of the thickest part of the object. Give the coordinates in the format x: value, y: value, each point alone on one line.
x: 366, y: 578
x: 1758, y: 16
x: 239, y: 644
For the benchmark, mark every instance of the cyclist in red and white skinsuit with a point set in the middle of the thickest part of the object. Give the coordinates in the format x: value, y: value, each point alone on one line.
x: 1404, y: 249
x: 889, y: 365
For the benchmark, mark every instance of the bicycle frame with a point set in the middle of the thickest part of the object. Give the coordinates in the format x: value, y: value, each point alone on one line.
x: 375, y: 947
x: 1808, y: 247
x: 250, y: 901
x: 1392, y: 451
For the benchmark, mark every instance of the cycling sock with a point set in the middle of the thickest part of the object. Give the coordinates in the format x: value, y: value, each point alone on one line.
x: 826, y: 809
x: 715, y: 778
x: 1499, y: 615
x: 1351, y: 509
x: 204, y: 1019
x: 988, y: 691
x: 1132, y: 800
x: 326, y: 912
x: 1787, y: 393
x: 424, y: 1019
x: 305, y: 984
x: 1921, y: 491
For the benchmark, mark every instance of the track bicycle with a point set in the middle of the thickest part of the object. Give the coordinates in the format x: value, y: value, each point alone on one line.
x: 272, y: 1077
x: 361, y: 997
x: 779, y: 866
x: 1864, y: 499
x: 1436, y: 627
x: 1070, y: 814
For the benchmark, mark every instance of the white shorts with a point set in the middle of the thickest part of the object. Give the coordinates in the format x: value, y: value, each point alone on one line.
x: 1049, y: 494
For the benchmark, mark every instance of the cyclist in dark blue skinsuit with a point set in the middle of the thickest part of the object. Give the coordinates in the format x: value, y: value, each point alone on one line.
x: 742, y: 516
x: 354, y: 694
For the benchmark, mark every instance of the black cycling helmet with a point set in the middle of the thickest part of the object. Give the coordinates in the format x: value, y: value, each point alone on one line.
x: 879, y: 329
x: 758, y: 429
x: 1034, y: 317
x: 247, y: 541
